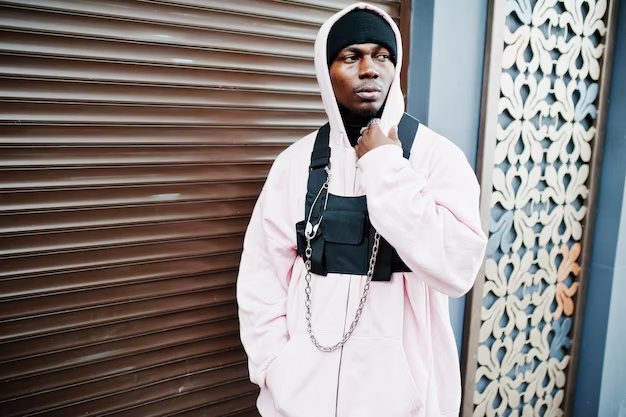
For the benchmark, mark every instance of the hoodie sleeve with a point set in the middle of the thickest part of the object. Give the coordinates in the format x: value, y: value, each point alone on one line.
x: 433, y: 222
x: 266, y: 263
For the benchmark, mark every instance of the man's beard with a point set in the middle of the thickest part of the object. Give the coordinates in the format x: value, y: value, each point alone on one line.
x: 360, y: 115
x: 366, y: 113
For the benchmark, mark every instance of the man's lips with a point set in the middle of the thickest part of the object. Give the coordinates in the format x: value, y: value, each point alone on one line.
x: 368, y: 93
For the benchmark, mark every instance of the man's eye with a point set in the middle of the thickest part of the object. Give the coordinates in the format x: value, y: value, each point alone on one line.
x: 350, y: 58
x: 382, y: 57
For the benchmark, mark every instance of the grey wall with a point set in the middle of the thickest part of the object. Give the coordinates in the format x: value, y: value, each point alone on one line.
x: 420, y: 58
x: 613, y: 388
x: 445, y: 81
x: 601, y: 384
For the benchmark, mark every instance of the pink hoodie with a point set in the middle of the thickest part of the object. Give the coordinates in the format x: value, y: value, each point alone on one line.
x: 401, y: 360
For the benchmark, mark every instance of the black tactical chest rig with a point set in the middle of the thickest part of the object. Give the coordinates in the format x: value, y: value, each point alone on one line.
x: 343, y: 242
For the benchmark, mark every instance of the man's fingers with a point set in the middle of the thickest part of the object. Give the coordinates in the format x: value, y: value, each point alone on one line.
x: 374, y: 128
x: 373, y: 137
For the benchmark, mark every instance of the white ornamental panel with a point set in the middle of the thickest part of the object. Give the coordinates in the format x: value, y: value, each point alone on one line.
x: 541, y: 124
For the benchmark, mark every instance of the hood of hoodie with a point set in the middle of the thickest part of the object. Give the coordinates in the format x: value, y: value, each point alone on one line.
x: 394, y: 106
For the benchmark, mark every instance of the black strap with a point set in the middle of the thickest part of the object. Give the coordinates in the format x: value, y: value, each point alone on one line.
x: 320, y: 157
x: 407, y: 128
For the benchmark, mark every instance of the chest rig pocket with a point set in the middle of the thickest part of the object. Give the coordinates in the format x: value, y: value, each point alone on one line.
x: 343, y: 241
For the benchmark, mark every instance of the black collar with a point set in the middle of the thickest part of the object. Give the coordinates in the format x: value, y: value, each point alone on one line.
x: 354, y: 123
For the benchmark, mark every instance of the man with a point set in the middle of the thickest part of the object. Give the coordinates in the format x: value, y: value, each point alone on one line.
x: 355, y: 245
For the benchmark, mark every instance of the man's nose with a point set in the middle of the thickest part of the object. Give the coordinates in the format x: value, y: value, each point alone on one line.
x: 367, y: 68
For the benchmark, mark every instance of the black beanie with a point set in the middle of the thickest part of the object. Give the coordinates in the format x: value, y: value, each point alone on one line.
x: 360, y: 26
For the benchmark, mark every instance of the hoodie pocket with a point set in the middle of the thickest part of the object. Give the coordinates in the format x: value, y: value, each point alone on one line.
x: 376, y: 381
x: 302, y: 380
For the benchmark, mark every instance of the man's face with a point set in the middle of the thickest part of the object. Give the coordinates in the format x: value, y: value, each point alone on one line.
x: 361, y: 75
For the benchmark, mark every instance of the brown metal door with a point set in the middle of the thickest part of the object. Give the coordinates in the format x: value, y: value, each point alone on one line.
x: 135, y: 137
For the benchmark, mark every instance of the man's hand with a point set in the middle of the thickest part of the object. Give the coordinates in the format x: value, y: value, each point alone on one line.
x: 373, y: 137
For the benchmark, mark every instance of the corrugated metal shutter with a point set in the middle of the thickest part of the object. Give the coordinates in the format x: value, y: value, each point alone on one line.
x: 135, y: 137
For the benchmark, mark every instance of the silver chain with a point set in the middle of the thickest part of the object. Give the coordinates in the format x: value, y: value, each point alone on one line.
x: 309, y: 322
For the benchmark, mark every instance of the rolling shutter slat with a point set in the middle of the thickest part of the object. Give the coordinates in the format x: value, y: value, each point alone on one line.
x: 149, y: 32
x: 98, y: 258
x: 83, y: 337
x: 38, y: 113
x: 165, y: 59
x: 124, y: 274
x: 125, y: 365
x: 170, y: 15
x: 96, y: 197
x: 79, y: 240
x: 140, y: 155
x: 192, y: 367
x: 114, y: 176
x: 72, y: 219
x: 145, y: 135
x: 48, y: 91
